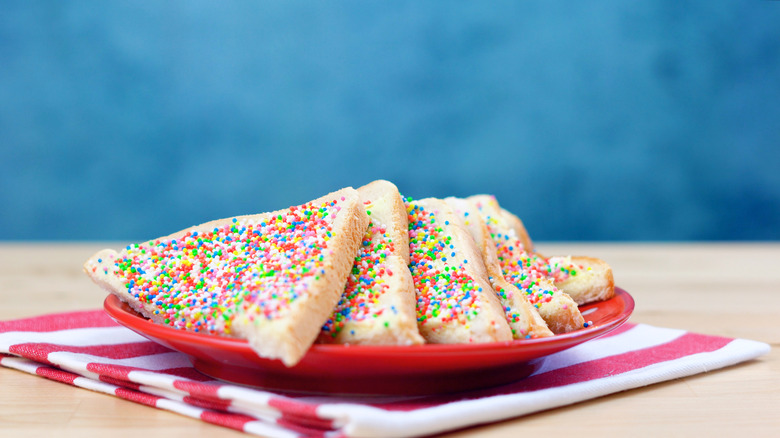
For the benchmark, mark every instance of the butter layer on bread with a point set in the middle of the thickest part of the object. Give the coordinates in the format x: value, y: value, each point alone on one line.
x: 524, y: 270
x: 522, y: 316
x: 455, y: 301
x: 270, y: 278
x: 378, y: 303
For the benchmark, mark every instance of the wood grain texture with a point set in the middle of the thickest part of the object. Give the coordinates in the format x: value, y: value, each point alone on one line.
x: 721, y: 289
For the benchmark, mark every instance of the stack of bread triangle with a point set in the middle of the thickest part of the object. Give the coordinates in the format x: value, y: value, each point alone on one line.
x: 363, y: 266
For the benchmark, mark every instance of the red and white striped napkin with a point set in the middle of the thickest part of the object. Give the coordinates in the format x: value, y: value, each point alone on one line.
x: 89, y: 350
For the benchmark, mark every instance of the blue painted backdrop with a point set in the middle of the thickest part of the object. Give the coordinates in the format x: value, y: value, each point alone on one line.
x: 599, y: 120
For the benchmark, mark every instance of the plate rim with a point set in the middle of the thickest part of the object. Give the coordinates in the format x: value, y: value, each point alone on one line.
x: 113, y: 306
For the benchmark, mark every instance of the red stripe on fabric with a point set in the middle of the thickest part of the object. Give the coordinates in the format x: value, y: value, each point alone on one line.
x: 213, y: 404
x: 137, y: 396
x: 56, y: 374
x: 299, y: 414
x: 305, y: 429
x: 305, y: 423
x: 187, y: 373
x: 39, y: 352
x: 232, y: 421
x: 198, y: 389
x: 119, y: 382
x: 30, y: 351
x: 111, y: 370
x: 59, y: 321
x: 294, y: 408
x: 685, y: 345
x: 121, y: 371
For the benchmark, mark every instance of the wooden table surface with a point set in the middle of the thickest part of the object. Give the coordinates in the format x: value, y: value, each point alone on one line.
x: 728, y: 289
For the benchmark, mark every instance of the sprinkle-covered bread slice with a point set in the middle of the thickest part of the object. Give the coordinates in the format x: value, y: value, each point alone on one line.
x: 522, y: 316
x: 455, y: 301
x: 584, y: 279
x: 526, y: 270
x: 270, y: 278
x: 378, y: 303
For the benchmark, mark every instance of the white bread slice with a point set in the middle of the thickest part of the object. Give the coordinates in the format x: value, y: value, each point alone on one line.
x: 378, y: 303
x: 455, y: 301
x: 270, y: 278
x: 522, y: 316
x: 584, y: 279
x: 588, y: 279
x: 521, y: 268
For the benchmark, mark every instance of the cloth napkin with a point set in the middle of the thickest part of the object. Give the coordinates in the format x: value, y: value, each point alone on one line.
x: 89, y: 350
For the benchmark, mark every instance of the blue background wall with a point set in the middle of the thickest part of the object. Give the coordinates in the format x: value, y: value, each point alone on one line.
x: 599, y: 120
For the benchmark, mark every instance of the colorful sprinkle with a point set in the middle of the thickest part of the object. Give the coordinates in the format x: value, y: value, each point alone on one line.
x: 366, y: 282
x: 200, y: 280
x: 528, y: 271
x: 444, y: 289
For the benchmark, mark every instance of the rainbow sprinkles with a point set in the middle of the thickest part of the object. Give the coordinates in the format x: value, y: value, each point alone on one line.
x: 366, y: 282
x: 270, y: 278
x: 454, y: 298
x: 361, y: 266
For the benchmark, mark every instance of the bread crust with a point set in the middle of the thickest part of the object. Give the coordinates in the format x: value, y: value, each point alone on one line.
x: 378, y: 305
x: 289, y: 334
x: 435, y: 266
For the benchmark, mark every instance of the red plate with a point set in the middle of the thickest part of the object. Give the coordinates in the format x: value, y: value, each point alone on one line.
x: 375, y: 369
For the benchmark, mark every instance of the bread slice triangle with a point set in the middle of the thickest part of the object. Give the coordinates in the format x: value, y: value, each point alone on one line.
x: 270, y: 278
x: 522, y: 316
x: 524, y: 270
x: 585, y: 279
x: 378, y: 303
x: 455, y: 301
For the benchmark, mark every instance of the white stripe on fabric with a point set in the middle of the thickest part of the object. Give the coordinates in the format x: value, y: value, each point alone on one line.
x: 82, y: 337
x: 261, y: 412
x: 164, y: 393
x: 20, y: 363
x: 252, y: 397
x: 252, y: 402
x: 95, y: 385
x: 159, y: 361
x: 180, y: 408
x: 159, y: 380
